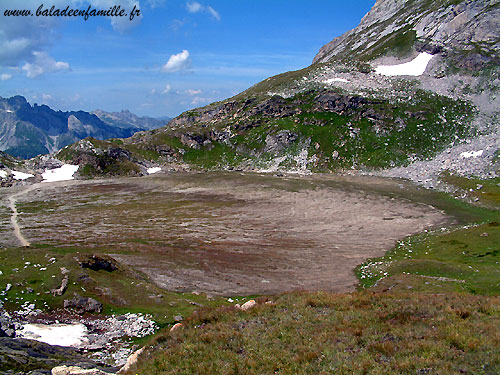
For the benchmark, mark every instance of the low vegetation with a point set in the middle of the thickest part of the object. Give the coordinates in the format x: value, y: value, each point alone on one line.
x: 430, y: 306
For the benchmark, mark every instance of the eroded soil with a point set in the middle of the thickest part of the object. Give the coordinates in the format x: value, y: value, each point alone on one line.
x: 228, y: 233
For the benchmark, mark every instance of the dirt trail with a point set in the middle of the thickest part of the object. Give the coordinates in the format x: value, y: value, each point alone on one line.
x: 13, y: 219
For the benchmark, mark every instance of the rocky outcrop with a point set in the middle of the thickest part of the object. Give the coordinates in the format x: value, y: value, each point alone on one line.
x: 7, y: 325
x: 98, y: 262
x: 23, y: 356
x: 82, y: 304
x: 471, y: 26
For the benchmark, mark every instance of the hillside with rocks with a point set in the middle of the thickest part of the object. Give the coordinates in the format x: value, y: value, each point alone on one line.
x: 411, y: 92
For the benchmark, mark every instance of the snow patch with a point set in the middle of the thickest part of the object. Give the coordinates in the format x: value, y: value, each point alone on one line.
x: 21, y: 175
x: 471, y: 154
x: 416, y: 67
x: 55, y: 334
x: 63, y: 173
x: 332, y: 80
x: 153, y: 170
x: 3, y: 174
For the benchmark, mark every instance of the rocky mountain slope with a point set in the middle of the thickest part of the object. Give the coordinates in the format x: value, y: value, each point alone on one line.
x: 28, y: 130
x: 412, y: 90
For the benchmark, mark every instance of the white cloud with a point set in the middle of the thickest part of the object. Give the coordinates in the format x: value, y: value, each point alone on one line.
x: 5, y: 77
x: 177, y: 62
x: 193, y: 92
x: 167, y: 89
x: 213, y: 12
x: 196, y: 7
x: 197, y: 100
x: 46, y: 97
x: 43, y: 63
x: 21, y: 36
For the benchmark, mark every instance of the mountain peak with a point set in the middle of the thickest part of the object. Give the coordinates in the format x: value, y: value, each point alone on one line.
x: 399, y: 27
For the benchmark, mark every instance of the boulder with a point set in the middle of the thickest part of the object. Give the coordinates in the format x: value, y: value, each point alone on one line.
x: 248, y: 305
x: 7, y: 326
x: 176, y: 327
x: 131, y: 361
x: 83, y: 304
x: 98, y: 262
x: 75, y: 370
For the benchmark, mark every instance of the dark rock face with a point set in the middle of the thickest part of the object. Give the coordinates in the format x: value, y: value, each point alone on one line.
x: 22, y: 356
x: 82, y: 304
x: 7, y: 326
x: 99, y: 263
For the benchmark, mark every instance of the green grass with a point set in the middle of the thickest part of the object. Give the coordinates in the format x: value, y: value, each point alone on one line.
x: 322, y: 333
x: 467, y: 255
x: 120, y: 291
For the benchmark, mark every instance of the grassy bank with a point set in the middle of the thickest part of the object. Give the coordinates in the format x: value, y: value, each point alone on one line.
x: 321, y: 333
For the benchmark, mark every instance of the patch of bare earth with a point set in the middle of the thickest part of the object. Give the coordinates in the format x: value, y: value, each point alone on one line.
x: 230, y: 233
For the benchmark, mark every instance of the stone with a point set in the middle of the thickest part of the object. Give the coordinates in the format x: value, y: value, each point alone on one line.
x: 99, y: 263
x: 75, y: 370
x: 62, y: 289
x: 7, y: 326
x: 178, y: 318
x: 82, y: 304
x: 131, y: 361
x: 248, y: 305
x: 176, y: 327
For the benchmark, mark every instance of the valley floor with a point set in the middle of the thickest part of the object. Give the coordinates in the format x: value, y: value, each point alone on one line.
x: 171, y: 244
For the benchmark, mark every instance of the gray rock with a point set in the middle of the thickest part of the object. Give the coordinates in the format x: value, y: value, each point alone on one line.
x: 81, y: 304
x: 7, y: 325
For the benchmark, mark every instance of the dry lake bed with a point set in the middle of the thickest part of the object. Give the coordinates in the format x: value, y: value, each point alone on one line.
x: 227, y: 233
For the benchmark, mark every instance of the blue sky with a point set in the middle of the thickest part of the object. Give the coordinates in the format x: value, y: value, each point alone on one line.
x: 178, y: 55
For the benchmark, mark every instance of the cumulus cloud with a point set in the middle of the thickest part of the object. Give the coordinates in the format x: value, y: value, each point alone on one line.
x: 43, y: 63
x: 198, y: 101
x: 5, y: 77
x: 196, y: 7
x: 21, y: 36
x: 167, y: 89
x: 177, y: 62
x: 193, y: 92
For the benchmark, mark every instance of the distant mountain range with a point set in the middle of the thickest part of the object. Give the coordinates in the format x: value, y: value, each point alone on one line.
x: 29, y: 130
x: 127, y: 120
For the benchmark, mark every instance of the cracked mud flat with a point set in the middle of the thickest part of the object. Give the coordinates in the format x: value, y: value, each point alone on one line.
x: 229, y: 233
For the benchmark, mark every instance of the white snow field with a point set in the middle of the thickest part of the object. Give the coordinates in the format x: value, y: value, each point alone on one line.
x: 21, y: 175
x: 332, y: 80
x: 55, y: 334
x: 471, y: 154
x: 154, y: 170
x: 416, y: 67
x: 63, y: 173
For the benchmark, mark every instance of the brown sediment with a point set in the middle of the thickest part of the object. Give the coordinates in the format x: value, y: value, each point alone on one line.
x: 231, y: 233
